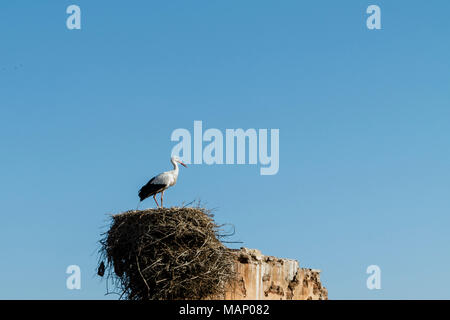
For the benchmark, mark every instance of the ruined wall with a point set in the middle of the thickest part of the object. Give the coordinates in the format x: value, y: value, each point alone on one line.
x: 265, y: 277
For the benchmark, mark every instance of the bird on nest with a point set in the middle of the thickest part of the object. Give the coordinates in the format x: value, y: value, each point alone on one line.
x: 161, y: 182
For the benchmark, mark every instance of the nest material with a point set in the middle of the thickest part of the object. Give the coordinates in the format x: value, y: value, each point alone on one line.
x: 169, y: 253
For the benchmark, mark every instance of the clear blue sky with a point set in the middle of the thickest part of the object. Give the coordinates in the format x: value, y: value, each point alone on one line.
x: 86, y: 117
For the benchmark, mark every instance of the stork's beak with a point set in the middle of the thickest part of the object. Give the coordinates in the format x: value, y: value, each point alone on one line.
x: 182, y: 164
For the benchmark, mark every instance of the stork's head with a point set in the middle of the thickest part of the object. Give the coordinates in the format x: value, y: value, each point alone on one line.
x: 176, y: 159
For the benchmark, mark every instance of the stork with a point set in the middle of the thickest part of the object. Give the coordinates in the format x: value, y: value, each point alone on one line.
x: 161, y: 182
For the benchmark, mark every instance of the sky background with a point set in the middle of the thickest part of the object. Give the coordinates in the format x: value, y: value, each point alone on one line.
x: 86, y: 117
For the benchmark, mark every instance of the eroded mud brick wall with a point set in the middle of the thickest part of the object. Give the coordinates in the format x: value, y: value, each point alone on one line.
x: 265, y: 277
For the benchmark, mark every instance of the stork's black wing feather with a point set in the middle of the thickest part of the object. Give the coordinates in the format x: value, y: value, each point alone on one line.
x: 150, y: 189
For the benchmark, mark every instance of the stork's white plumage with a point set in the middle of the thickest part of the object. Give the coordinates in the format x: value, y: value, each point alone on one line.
x: 161, y: 182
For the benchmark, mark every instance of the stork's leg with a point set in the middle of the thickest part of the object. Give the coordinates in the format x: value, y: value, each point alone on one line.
x: 154, y: 198
x: 162, y: 194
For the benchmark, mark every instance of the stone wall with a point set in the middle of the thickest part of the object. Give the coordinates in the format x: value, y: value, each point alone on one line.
x: 265, y: 277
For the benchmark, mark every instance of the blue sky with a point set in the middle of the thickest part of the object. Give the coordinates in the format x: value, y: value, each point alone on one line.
x: 86, y: 117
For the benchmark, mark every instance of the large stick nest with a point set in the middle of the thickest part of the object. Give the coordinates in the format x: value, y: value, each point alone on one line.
x: 169, y: 253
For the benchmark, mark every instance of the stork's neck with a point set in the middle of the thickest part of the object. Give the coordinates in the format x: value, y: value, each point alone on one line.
x: 175, y: 166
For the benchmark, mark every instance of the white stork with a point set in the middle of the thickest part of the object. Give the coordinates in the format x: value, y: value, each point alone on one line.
x: 161, y: 182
